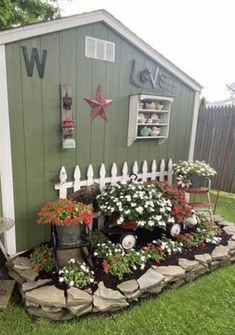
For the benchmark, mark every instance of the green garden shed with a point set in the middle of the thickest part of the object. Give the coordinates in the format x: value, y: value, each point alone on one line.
x: 138, y: 107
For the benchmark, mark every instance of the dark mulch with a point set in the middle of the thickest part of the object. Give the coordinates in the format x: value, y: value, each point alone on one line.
x: 111, y: 281
x: 189, y: 254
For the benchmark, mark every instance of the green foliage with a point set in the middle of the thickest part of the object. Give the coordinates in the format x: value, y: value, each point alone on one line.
x: 108, y: 250
x: 76, y: 274
x: 180, y: 208
x: 141, y: 203
x: 206, y: 232
x: 118, y: 262
x: 97, y: 237
x: 42, y: 258
x: 197, y: 168
x: 117, y: 266
x: 206, y: 306
x: 14, y: 13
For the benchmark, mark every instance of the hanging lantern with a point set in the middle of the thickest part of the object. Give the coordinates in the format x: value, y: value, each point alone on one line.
x: 67, y: 123
x: 68, y: 127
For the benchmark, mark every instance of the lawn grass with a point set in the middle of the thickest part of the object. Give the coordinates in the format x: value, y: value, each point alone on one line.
x: 204, y: 307
x: 225, y: 206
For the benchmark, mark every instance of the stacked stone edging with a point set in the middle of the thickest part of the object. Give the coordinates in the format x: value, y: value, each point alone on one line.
x: 42, y: 299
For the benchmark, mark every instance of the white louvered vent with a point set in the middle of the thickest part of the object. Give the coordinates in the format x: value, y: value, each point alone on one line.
x: 100, y: 49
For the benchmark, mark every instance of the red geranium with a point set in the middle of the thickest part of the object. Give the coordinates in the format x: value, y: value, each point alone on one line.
x: 64, y: 212
x: 180, y: 208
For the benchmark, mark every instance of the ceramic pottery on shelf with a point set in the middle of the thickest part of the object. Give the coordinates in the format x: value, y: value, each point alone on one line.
x: 149, y: 120
x: 155, y: 131
x: 141, y: 118
x: 145, y: 131
x: 150, y: 105
x: 158, y: 106
x: 155, y: 118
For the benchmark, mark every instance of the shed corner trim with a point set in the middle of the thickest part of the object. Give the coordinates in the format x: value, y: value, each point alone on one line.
x: 6, y: 174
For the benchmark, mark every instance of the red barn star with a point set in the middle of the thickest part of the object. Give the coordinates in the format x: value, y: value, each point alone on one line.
x: 98, y: 103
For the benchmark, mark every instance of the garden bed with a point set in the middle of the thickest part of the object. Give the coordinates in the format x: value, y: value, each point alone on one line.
x: 44, y: 296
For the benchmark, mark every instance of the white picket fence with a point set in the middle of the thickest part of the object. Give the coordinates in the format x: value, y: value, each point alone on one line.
x: 165, y: 172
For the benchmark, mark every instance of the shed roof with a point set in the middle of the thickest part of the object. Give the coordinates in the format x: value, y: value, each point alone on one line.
x: 16, y: 34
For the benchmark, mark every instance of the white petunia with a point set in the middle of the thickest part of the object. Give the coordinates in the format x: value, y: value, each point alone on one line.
x: 120, y: 220
x: 151, y: 223
x: 139, y: 209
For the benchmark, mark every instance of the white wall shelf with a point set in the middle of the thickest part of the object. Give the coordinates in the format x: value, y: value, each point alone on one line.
x: 152, y: 111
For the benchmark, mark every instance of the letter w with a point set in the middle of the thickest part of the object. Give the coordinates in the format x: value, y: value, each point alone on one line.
x: 34, y: 58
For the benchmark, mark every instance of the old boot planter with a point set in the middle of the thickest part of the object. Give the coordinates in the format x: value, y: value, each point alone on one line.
x: 70, y: 236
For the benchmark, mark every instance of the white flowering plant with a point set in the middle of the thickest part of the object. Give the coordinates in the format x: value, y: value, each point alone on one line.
x: 118, y: 262
x: 197, y: 168
x: 76, y: 274
x: 135, y: 201
x: 169, y: 246
x: 108, y: 250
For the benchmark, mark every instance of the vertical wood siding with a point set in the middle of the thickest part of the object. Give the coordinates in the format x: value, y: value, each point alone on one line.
x: 215, y: 144
x: 0, y: 199
x: 35, y: 118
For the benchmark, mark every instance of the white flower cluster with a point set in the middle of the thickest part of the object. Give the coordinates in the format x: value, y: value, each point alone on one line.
x: 108, y: 250
x: 76, y: 274
x: 138, y: 202
x: 135, y: 259
x: 198, y: 168
x: 169, y: 246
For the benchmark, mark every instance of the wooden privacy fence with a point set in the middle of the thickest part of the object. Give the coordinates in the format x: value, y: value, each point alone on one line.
x: 165, y: 172
x: 215, y: 144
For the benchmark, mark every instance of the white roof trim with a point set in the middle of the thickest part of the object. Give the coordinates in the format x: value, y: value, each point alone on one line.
x: 16, y: 34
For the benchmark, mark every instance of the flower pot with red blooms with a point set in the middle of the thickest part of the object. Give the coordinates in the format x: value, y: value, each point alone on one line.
x: 69, y: 220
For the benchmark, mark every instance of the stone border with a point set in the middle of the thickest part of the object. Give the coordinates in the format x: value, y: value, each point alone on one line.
x: 47, y: 301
